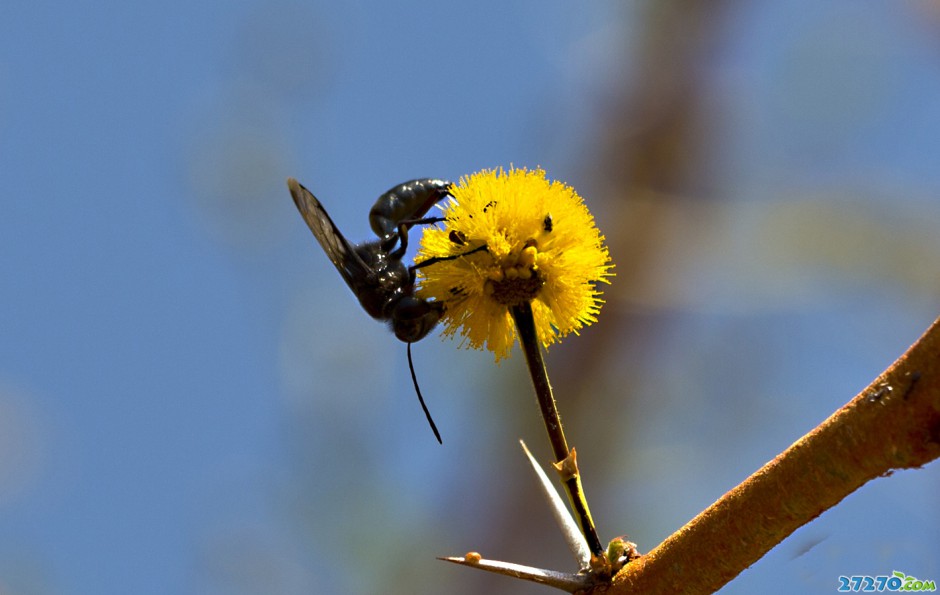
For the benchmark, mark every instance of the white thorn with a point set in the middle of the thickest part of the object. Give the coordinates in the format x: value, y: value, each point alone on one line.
x: 569, y: 528
x: 559, y: 580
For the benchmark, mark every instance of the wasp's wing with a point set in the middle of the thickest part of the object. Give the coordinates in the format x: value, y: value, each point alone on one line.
x: 341, y: 253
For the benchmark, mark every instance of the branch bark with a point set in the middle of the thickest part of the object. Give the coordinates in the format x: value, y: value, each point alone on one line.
x: 892, y: 424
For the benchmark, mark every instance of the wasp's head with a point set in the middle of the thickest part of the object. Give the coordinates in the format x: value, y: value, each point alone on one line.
x: 413, y: 318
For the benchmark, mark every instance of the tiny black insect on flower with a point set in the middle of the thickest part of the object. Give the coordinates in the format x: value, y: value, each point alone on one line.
x: 457, y: 237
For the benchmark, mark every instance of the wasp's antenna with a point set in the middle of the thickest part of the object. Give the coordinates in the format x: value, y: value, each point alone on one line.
x: 414, y: 378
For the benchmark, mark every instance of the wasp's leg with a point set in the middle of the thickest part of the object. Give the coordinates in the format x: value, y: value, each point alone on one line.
x: 426, y: 263
x: 427, y: 412
x: 402, y: 236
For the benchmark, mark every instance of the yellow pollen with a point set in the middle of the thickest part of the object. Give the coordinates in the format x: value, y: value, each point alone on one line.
x: 527, y: 258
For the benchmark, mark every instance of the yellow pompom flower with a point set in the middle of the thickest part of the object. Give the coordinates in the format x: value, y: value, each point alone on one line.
x: 509, y: 238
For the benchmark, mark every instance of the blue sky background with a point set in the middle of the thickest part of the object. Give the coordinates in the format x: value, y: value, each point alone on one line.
x: 191, y: 401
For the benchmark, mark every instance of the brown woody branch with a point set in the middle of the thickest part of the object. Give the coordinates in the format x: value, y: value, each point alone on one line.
x: 892, y: 424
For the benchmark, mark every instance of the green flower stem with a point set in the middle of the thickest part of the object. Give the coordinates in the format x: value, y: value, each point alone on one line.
x: 564, y: 458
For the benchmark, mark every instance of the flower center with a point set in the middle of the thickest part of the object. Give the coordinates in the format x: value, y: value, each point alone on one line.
x: 518, y: 279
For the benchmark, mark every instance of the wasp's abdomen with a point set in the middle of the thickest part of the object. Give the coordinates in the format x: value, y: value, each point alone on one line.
x: 405, y: 202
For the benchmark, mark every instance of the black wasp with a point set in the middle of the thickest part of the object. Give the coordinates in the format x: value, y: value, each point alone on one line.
x: 374, y: 270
